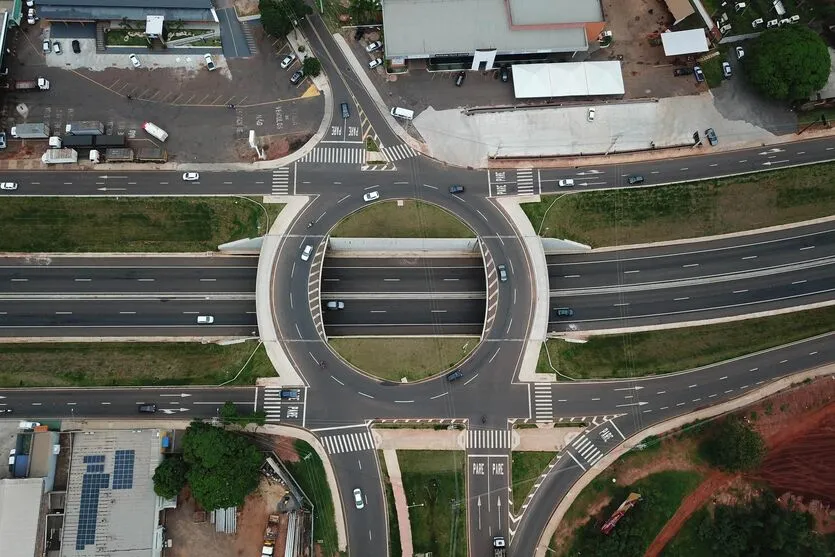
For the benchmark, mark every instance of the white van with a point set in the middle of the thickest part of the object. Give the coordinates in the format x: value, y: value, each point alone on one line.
x: 205, y: 319
x: 403, y: 113
x: 155, y: 130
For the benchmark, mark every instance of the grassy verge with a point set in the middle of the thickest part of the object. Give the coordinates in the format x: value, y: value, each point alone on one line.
x: 639, y: 354
x: 66, y: 224
x: 525, y: 470
x: 394, y: 530
x: 713, y: 72
x: 88, y: 364
x: 412, y: 219
x: 310, y: 475
x: 412, y: 358
x: 661, y: 493
x: 436, y: 480
x: 617, y: 217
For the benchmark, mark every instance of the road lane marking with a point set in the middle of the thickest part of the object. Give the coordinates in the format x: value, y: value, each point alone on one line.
x: 404, y: 401
x: 83, y: 280
x: 438, y: 396
x: 20, y: 280
x: 749, y: 257
x: 365, y: 395
x: 438, y: 311
x: 146, y: 280
x: 661, y: 392
x: 470, y: 380
x: 799, y: 281
x: 630, y: 272
x: 499, y: 348
x: 337, y: 380
x: 63, y: 313
x: 754, y: 369
x: 807, y: 247
x: 208, y: 280
x: 813, y: 353
x: 723, y: 378
x: 693, y: 385
x: 740, y: 291
x: 690, y: 265
x: 681, y: 299
x: 127, y: 313
x: 571, y: 276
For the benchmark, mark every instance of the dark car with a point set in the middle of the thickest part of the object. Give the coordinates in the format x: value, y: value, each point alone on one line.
x: 76, y: 47
x: 454, y: 376
x: 346, y: 112
x: 289, y: 394
x: 678, y: 72
x: 459, y: 79
x: 504, y: 74
x: 700, y: 75
x: 635, y: 179
x: 296, y: 77
x: 359, y: 33
x: 456, y: 189
x: 565, y: 312
x: 711, y: 136
x: 147, y: 408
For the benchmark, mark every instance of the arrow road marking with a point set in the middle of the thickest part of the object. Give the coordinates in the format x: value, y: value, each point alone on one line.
x: 636, y: 387
x: 111, y: 189
x: 631, y: 404
x: 173, y: 410
x: 479, y: 512
x: 769, y: 163
x: 181, y: 395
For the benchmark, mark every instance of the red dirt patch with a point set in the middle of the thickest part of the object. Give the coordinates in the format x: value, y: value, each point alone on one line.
x: 285, y: 449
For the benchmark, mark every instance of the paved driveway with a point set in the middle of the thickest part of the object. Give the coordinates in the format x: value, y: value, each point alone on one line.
x: 232, y: 35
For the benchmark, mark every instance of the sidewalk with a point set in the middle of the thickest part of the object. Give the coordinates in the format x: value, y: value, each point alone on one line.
x: 400, y: 503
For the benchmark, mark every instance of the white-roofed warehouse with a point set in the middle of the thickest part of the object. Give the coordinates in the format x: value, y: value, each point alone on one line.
x: 569, y: 79
x: 20, y: 506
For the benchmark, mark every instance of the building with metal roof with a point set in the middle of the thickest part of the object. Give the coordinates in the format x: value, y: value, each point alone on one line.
x: 20, y: 505
x: 485, y: 29
x: 132, y: 10
x: 567, y: 79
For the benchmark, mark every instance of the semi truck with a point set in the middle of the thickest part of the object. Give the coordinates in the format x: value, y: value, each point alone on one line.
x: 151, y: 154
x: 109, y: 140
x: 85, y: 127
x: 155, y: 131
x: 38, y: 130
x: 499, y: 547
x: 77, y: 141
x: 39, y: 84
x: 60, y: 156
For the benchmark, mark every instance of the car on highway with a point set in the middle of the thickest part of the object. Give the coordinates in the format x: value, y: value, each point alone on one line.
x: 191, y: 176
x: 376, y: 45
x: 565, y: 312
x: 566, y: 183
x: 56, y: 47
x: 12, y: 454
x: 147, y: 408
x: 726, y: 70
x: 76, y: 47
x: 287, y: 61
x: 635, y: 179
x: 740, y: 53
x: 335, y: 304
x: 308, y: 249
x: 371, y: 196
x: 134, y: 60
x: 454, y: 375
x: 205, y: 319
x: 8, y: 185
x: 47, y: 48
x: 502, y: 272
x: 296, y: 77
x: 210, y: 63
x: 358, y: 502
x: 711, y: 136
x: 700, y: 75
x: 456, y: 189
x: 590, y: 115
x: 374, y: 63
x: 28, y: 425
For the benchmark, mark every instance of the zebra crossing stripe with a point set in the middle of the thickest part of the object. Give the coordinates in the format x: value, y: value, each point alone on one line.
x: 348, y: 442
x: 488, y: 439
x: 399, y: 152
x: 335, y: 155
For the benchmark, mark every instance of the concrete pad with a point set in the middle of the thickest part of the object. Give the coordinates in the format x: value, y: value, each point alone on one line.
x: 546, y: 439
x: 419, y: 439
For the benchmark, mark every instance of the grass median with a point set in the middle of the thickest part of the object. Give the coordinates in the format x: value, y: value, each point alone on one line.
x: 630, y: 216
x: 640, y: 354
x: 402, y: 219
x: 525, y: 471
x: 434, y: 482
x: 130, y: 364
x: 129, y: 224
x: 413, y: 358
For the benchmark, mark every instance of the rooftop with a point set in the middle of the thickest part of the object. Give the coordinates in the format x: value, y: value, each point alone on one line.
x: 549, y: 12
x: 134, y: 10
x: 156, y: 4
x: 20, y: 506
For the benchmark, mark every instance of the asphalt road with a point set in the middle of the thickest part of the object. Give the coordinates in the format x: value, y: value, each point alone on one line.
x: 406, y: 316
x: 420, y: 276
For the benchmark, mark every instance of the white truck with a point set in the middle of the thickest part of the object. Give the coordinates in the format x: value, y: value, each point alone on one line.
x: 37, y: 130
x: 155, y: 131
x: 39, y: 84
x: 60, y: 156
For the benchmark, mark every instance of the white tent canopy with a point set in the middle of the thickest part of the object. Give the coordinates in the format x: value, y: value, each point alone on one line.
x: 684, y: 42
x: 568, y: 79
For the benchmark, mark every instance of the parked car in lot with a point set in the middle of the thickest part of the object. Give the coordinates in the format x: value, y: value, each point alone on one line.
x: 711, y: 136
x: 56, y: 47
x: 678, y: 72
x: 358, y: 34
x: 459, y: 79
x: 726, y: 70
x: 28, y: 425
x: 296, y: 77
x: 590, y: 115
x: 134, y: 60
x: 210, y: 63
x: 308, y: 249
x: 376, y: 45
x: 566, y: 183
x: 371, y: 196
x: 635, y: 179
x: 740, y: 53
x: 700, y: 76
x: 456, y: 189
x: 47, y: 48
x: 504, y: 74
x: 76, y: 47
x: 289, y: 59
x: 502, y: 272
x: 374, y: 63
x: 12, y: 454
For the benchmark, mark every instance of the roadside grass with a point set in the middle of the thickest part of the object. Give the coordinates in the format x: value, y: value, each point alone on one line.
x: 436, y: 479
x: 627, y: 216
x: 129, y: 224
x: 656, y: 352
x: 309, y: 473
x: 332, y: 10
x: 525, y: 469
x: 661, y: 493
x: 712, y: 69
x: 412, y: 358
x: 130, y: 364
x: 806, y: 118
x: 412, y: 219
x: 687, y: 541
x: 394, y: 530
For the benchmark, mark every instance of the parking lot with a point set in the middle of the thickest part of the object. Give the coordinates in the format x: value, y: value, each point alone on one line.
x: 8, y: 439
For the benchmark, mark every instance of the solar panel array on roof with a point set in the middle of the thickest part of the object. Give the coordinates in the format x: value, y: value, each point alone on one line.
x: 123, y: 469
x: 91, y: 484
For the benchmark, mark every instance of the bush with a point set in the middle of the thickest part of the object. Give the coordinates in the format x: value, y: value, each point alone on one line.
x: 311, y: 67
x: 787, y: 63
x: 170, y: 477
x: 734, y: 447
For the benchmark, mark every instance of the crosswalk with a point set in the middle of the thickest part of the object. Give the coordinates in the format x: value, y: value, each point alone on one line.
x: 488, y: 439
x: 274, y: 406
x: 524, y: 181
x: 348, y: 442
x: 250, y: 38
x: 281, y: 181
x: 586, y: 450
x: 335, y: 155
x: 399, y: 152
x: 543, y: 402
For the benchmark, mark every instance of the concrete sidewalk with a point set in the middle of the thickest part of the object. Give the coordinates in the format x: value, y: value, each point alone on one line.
x: 400, y: 502
x: 546, y: 438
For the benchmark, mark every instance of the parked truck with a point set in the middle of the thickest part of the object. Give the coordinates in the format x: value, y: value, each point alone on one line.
x: 39, y: 84
x: 60, y: 156
x: 109, y: 140
x: 151, y: 154
x: 82, y: 141
x: 85, y: 127
x: 38, y: 130
x: 119, y: 155
x: 499, y: 546
x: 155, y: 131
x: 270, y: 535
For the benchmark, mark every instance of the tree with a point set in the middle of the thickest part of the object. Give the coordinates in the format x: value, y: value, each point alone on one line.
x: 735, y: 447
x: 223, y: 466
x: 280, y: 16
x: 229, y: 415
x: 787, y: 63
x: 364, y: 11
x: 311, y: 67
x: 170, y: 477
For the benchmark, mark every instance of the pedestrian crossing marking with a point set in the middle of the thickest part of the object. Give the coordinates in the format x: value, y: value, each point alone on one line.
x: 250, y: 38
x: 281, y: 181
x: 524, y: 181
x: 335, y: 155
x: 274, y: 405
x: 543, y: 402
x: 349, y: 442
x: 488, y: 439
x: 399, y: 152
x: 586, y: 450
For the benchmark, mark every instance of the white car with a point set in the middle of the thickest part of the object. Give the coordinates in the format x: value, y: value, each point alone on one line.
x: 12, y: 454
x: 56, y: 47
x: 376, y: 45
x: 289, y: 59
x: 46, y: 47
x: 566, y: 183
x: 739, y: 53
x: 191, y: 176
x: 209, y: 62
x: 590, y: 115
x: 134, y: 60
x: 308, y: 249
x: 371, y: 196
x: 374, y: 63
x: 205, y: 319
x: 28, y: 425
x: 358, y: 498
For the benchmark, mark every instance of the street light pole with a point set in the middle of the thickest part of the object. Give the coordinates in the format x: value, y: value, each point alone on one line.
x: 266, y: 214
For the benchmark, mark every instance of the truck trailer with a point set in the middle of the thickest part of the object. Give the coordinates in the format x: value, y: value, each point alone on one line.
x: 77, y: 141
x: 151, y: 154
x: 119, y: 155
x: 60, y: 156
x: 109, y: 140
x: 38, y: 130
x: 39, y: 84
x: 155, y: 131
x: 85, y: 127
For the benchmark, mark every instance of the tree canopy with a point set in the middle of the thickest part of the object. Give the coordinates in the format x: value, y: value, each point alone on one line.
x: 277, y: 16
x: 311, y: 67
x: 170, y: 477
x: 365, y: 11
x: 734, y: 446
x: 229, y: 415
x: 787, y: 63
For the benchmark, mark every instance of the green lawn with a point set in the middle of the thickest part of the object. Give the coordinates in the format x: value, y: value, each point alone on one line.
x: 130, y: 224
x: 436, y: 479
x: 309, y: 473
x: 712, y: 69
x: 640, y: 354
x: 525, y: 469
x: 627, y: 216
x: 394, y: 531
x: 412, y: 358
x: 402, y: 219
x: 110, y: 364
